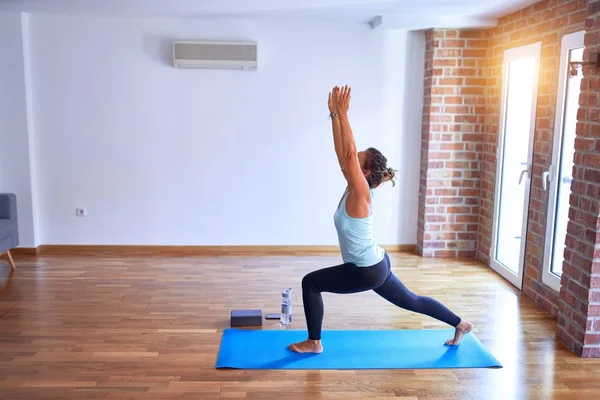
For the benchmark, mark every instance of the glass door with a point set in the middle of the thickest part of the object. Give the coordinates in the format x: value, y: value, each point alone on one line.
x: 514, y: 159
x: 559, y: 174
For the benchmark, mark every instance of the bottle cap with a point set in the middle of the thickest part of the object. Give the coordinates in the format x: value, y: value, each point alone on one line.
x: 287, y: 293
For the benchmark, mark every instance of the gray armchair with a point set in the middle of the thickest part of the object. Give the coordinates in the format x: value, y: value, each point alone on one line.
x: 9, y: 226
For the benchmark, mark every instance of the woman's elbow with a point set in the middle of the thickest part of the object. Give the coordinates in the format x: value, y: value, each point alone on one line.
x: 350, y: 152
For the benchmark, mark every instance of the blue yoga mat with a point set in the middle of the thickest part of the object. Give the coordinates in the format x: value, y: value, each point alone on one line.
x: 352, y: 349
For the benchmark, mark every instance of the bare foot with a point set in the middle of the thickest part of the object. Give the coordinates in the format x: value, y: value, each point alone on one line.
x: 461, y: 330
x: 308, y: 346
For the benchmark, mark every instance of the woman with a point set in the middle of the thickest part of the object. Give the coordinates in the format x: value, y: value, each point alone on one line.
x: 366, y: 265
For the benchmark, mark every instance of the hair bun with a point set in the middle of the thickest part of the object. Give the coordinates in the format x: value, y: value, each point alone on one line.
x: 390, y: 175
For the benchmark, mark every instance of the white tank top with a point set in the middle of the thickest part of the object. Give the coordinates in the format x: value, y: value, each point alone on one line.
x: 355, y: 236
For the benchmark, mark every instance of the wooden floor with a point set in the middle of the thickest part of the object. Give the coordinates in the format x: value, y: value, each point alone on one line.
x: 149, y: 328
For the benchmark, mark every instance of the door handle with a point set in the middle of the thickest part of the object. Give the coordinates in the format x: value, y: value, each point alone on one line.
x: 546, y: 178
x: 523, y: 172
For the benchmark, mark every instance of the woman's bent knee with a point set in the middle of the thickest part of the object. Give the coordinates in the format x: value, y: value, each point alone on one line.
x: 307, y: 281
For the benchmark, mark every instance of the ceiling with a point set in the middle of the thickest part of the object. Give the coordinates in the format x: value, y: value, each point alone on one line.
x: 404, y: 14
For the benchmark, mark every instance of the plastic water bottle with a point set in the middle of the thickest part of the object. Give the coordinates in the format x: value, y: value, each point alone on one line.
x: 286, y: 307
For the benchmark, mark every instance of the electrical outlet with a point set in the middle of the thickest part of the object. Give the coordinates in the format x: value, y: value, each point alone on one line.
x: 80, y: 212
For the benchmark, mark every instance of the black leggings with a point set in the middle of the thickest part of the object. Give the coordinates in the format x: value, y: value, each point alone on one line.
x: 348, y: 278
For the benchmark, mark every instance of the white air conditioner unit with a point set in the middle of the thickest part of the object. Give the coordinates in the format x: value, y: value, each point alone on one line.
x: 215, y: 55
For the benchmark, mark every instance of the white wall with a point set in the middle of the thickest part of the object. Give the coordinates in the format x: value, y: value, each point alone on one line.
x: 164, y: 156
x: 15, y: 145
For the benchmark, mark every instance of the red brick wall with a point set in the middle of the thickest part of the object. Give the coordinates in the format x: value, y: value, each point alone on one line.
x: 579, y: 306
x: 451, y: 148
x: 427, y: 84
x: 547, y: 21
